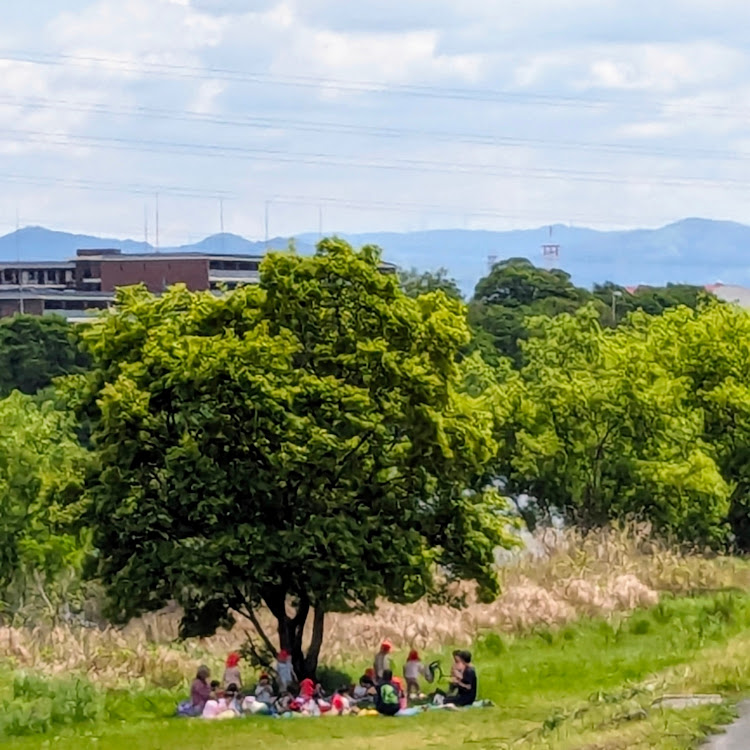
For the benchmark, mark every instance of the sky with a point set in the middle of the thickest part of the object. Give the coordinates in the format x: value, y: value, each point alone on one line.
x: 276, y: 117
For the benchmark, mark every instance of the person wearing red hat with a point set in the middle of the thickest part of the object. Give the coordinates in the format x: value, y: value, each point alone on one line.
x: 232, y: 675
x: 285, y: 675
x: 383, y: 660
x: 413, y: 670
x: 305, y: 703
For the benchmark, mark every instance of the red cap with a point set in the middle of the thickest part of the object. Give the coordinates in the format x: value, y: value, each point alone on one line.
x: 264, y: 676
x: 386, y: 646
x: 413, y: 655
x: 233, y: 659
x: 283, y: 655
x: 307, y: 688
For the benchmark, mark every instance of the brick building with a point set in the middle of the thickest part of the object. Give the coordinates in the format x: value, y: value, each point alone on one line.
x: 77, y: 288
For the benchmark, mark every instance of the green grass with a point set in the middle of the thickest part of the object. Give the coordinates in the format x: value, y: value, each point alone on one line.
x: 588, y: 686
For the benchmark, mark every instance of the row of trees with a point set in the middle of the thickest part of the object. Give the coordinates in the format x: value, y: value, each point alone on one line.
x: 515, y: 291
x: 334, y: 435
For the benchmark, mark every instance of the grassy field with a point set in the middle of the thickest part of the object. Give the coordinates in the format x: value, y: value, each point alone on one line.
x: 588, y: 685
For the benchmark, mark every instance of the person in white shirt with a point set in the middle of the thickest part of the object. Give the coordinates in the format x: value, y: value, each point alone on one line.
x: 285, y: 675
x: 413, y: 670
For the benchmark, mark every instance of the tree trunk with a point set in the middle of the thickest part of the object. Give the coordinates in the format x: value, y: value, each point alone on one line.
x: 311, y: 660
x: 291, y: 631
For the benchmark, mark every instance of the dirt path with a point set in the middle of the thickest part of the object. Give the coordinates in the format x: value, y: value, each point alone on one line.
x: 737, y: 736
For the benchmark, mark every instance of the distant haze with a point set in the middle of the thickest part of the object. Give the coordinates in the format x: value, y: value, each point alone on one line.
x: 696, y: 251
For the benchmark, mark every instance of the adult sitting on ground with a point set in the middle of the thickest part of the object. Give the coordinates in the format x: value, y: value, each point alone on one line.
x: 387, y: 696
x: 466, y: 685
x: 200, y: 691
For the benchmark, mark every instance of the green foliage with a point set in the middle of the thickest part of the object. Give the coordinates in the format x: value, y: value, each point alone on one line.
x: 651, y: 300
x: 709, y: 350
x: 39, y: 706
x: 41, y: 475
x: 34, y: 350
x: 415, y: 284
x: 598, y: 426
x: 303, y: 444
x: 515, y: 290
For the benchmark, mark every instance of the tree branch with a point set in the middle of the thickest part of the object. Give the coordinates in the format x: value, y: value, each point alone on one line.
x: 249, y: 613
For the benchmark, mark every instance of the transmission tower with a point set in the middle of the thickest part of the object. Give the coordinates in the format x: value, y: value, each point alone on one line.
x: 550, y: 252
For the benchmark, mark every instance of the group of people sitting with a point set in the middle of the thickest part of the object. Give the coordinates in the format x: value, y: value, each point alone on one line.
x: 378, y: 690
x: 462, y: 689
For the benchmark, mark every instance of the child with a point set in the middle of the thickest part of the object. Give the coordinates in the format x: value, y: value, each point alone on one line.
x: 264, y: 691
x: 305, y: 703
x: 285, y: 702
x: 364, y: 692
x: 229, y: 705
x: 341, y: 704
x: 388, y: 698
x: 232, y: 674
x: 413, y: 669
x: 383, y: 660
x: 285, y: 671
x: 403, y: 702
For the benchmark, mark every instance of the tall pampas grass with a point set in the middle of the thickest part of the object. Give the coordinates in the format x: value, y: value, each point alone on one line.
x: 559, y: 577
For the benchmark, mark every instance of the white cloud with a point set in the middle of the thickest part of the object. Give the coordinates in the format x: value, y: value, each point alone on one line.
x: 575, y: 71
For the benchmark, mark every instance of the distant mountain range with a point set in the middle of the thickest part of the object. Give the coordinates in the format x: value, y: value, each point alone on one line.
x: 696, y: 251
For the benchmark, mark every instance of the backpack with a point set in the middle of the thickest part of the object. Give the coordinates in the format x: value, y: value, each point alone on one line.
x: 433, y: 672
x: 388, y: 695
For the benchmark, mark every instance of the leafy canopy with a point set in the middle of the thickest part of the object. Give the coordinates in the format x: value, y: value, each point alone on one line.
x: 304, y: 444
x: 41, y: 470
x: 34, y: 350
x: 709, y: 349
x: 599, y: 426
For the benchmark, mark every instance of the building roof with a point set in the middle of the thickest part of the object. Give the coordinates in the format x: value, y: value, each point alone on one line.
x: 171, y: 255
x: 740, y: 295
x: 64, y: 264
x: 43, y: 293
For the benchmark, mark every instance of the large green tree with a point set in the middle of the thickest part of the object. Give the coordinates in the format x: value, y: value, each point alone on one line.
x: 304, y: 445
x: 512, y: 292
x: 42, y: 469
x: 598, y: 425
x: 34, y: 350
x: 709, y: 350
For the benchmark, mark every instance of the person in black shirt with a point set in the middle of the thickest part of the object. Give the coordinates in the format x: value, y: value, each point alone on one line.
x: 387, y: 695
x: 466, y: 686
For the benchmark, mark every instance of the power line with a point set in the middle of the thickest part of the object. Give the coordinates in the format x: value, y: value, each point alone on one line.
x: 335, y: 160
x: 338, y: 128
x: 317, y: 201
x: 174, y: 191
x: 150, y: 67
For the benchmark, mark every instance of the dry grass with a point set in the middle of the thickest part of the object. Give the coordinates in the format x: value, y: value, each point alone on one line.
x: 561, y: 577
